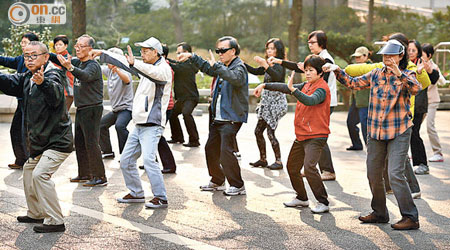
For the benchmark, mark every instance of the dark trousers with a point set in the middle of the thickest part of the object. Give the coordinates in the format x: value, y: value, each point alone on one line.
x: 18, y: 137
x: 396, y: 150
x: 120, y: 120
x: 87, y: 136
x: 356, y: 115
x: 325, y: 161
x: 186, y: 108
x: 219, y: 149
x: 409, y: 175
x: 418, y: 153
x: 306, y: 154
x: 165, y: 154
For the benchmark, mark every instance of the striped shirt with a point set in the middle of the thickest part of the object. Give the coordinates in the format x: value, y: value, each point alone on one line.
x: 389, y: 104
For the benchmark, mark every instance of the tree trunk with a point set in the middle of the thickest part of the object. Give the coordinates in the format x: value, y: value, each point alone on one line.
x: 78, y: 19
x: 294, y: 27
x: 179, y: 36
x: 370, y: 22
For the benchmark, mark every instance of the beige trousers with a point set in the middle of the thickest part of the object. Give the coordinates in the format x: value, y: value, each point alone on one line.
x: 431, y: 129
x: 40, y: 192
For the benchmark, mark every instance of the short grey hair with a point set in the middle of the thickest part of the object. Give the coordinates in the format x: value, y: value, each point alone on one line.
x: 116, y: 51
x: 91, y: 41
x: 42, y: 47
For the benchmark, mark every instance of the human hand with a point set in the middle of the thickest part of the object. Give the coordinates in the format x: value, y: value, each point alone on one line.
x: 428, y: 66
x: 291, y: 82
x: 130, y: 56
x: 95, y: 52
x: 212, y: 59
x: 66, y: 63
x: 272, y: 60
x: 300, y: 65
x: 328, y: 67
x: 258, y: 90
x: 182, y: 57
x: 38, y: 76
x: 394, y: 68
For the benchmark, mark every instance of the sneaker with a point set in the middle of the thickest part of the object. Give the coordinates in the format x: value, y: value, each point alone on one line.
x: 213, y: 187
x: 422, y: 169
x: 320, y: 208
x: 238, y: 155
x: 276, y: 166
x: 108, y: 155
x: 26, y: 219
x: 233, y: 191
x: 259, y: 163
x: 436, y: 158
x: 49, y: 228
x: 175, y: 141
x: 296, y: 203
x: 96, y: 182
x: 328, y: 176
x: 416, y: 195
x: 80, y: 179
x: 406, y: 223
x: 156, y: 203
x: 131, y: 199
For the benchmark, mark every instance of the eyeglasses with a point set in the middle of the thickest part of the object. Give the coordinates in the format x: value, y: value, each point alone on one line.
x: 312, y: 42
x: 222, y: 50
x: 33, y: 57
x: 80, y: 46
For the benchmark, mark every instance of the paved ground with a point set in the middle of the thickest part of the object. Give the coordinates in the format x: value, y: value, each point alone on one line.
x: 204, y: 220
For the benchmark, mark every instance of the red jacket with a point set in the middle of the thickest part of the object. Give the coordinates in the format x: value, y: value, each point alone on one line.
x: 313, y: 121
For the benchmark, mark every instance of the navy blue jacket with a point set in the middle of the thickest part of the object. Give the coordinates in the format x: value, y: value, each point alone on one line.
x: 232, y: 81
x: 17, y: 63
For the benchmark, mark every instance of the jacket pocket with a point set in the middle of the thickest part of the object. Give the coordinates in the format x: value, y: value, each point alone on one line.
x: 146, y: 104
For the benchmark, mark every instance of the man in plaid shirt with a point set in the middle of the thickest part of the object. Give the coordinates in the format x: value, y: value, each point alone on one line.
x: 389, y: 131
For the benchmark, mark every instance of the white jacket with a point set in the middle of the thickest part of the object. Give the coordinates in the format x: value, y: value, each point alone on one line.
x: 153, y: 92
x: 331, y: 79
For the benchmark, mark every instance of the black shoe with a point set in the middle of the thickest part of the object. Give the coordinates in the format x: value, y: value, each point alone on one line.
x: 96, y: 182
x: 174, y: 141
x: 276, y: 166
x: 49, y: 228
x: 80, y: 179
x: 168, y: 171
x: 141, y: 167
x: 259, y: 163
x: 26, y: 219
x: 192, y: 144
x: 353, y: 148
x: 108, y: 155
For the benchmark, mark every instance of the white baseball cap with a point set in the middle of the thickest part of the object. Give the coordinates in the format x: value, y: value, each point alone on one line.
x: 151, y: 43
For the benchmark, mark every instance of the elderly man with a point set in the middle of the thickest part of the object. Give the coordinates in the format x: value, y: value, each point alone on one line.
x: 229, y: 110
x: 88, y: 96
x: 49, y: 132
x: 149, y: 114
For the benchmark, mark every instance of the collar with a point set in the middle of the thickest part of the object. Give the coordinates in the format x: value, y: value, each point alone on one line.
x: 232, y: 61
x: 65, y: 52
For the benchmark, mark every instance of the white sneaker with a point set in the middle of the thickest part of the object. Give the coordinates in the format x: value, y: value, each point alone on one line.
x: 296, y: 203
x: 156, y: 203
x: 213, y: 187
x: 416, y: 195
x: 436, y: 158
x: 320, y: 208
x: 233, y: 191
x: 131, y: 199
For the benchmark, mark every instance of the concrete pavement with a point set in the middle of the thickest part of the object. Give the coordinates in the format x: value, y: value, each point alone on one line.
x: 204, y: 220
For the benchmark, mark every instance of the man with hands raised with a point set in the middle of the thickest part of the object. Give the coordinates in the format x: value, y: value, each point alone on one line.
x: 229, y: 110
x: 149, y: 115
x: 49, y: 131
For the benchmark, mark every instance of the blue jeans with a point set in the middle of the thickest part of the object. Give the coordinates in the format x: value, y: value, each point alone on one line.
x: 143, y: 140
x: 396, y: 150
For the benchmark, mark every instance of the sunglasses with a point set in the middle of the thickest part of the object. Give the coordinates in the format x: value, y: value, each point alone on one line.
x: 222, y: 50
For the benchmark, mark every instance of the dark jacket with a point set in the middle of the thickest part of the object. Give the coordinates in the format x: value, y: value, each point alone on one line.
x: 185, y: 87
x: 274, y: 73
x: 88, y: 82
x: 232, y: 83
x: 47, y: 121
x: 17, y: 63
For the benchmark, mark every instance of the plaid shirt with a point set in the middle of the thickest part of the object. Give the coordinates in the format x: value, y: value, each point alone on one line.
x: 389, y: 104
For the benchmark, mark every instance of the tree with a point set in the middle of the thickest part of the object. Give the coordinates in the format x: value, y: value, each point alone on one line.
x: 370, y: 22
x: 12, y: 46
x: 179, y: 36
x: 78, y: 18
x: 294, y: 28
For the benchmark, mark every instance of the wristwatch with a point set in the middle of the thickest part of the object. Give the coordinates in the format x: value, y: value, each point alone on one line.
x: 71, y: 68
